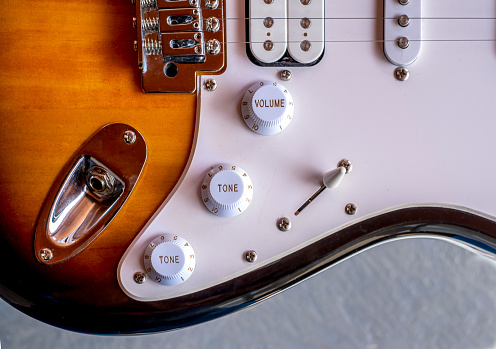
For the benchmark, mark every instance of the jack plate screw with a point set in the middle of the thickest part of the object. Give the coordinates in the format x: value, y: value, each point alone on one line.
x: 46, y: 254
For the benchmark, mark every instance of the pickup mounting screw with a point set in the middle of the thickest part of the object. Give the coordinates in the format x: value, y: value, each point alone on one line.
x: 284, y: 224
x: 286, y: 75
x: 251, y: 256
x: 350, y: 209
x: 139, y: 277
x: 46, y: 254
x: 211, y: 85
x: 401, y: 74
x: 129, y: 137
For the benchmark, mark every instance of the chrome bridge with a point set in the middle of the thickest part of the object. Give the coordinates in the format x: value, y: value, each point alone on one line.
x: 177, y: 40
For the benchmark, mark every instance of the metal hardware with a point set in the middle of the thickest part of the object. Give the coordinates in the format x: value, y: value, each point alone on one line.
x: 135, y: 22
x: 150, y: 24
x: 284, y: 224
x: 89, y: 192
x: 211, y: 4
x: 135, y: 46
x: 251, y: 256
x: 401, y: 74
x: 129, y: 137
x: 404, y: 2
x: 213, y: 47
x: 210, y: 85
x: 305, y: 45
x: 286, y: 75
x: 268, y: 22
x: 268, y: 45
x: 350, y: 209
x: 404, y: 21
x: 172, y: 44
x: 305, y: 23
x: 346, y: 164
x: 403, y: 42
x: 151, y: 47
x: 212, y: 24
x: 139, y: 277
x: 268, y: 2
x: 46, y: 254
x: 331, y: 180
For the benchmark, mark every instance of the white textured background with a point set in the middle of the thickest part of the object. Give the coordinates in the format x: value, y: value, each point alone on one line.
x: 405, y: 294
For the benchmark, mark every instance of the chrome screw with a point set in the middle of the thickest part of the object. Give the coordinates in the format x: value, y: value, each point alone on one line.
x: 139, y: 277
x: 350, y: 209
x: 268, y: 45
x: 211, y: 85
x: 212, y: 24
x: 403, y: 42
x: 213, y: 47
x: 129, y: 137
x: 401, y: 74
x: 211, y: 4
x: 305, y: 45
x: 251, y: 256
x: 404, y: 21
x: 284, y: 224
x: 404, y: 2
x: 346, y: 164
x: 286, y: 75
x: 268, y: 22
x: 46, y: 254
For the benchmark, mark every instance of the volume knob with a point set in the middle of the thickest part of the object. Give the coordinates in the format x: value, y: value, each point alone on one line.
x: 169, y: 259
x: 267, y: 108
x: 227, y: 190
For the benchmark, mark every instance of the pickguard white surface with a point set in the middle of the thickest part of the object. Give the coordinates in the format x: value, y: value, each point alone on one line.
x: 426, y: 141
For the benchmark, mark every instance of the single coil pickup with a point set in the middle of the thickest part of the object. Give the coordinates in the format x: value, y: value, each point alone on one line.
x: 182, y: 47
x: 180, y: 20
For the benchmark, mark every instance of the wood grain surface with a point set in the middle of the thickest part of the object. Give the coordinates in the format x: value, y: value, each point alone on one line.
x: 69, y: 68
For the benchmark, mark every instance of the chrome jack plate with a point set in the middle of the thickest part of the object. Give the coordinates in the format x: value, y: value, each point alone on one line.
x: 89, y: 192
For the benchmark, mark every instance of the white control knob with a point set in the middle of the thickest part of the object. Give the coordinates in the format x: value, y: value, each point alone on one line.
x: 227, y: 190
x: 169, y: 259
x: 267, y: 108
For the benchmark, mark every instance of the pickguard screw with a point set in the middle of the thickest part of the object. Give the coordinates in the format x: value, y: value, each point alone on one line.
x: 284, y: 224
x: 46, y: 254
x: 401, y: 74
x: 251, y: 256
x: 350, y: 209
x: 129, y: 137
x: 139, y: 277
x: 286, y: 75
x: 211, y: 85
x: 346, y: 164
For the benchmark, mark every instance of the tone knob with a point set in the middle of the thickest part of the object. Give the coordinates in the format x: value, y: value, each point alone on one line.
x: 267, y: 108
x: 169, y: 259
x: 226, y: 190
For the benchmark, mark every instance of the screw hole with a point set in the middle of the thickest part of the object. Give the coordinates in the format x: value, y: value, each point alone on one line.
x: 171, y: 70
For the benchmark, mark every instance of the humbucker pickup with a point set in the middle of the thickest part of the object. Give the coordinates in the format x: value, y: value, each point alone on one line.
x: 178, y: 40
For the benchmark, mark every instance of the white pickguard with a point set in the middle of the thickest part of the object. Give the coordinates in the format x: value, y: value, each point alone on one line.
x: 427, y: 141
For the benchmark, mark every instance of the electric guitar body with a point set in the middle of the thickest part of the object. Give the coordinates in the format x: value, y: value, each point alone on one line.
x: 131, y: 212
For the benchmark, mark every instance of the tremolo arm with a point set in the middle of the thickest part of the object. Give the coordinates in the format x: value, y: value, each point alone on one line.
x: 178, y: 40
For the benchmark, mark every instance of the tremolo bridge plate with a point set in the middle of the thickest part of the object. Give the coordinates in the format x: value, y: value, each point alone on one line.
x: 178, y: 40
